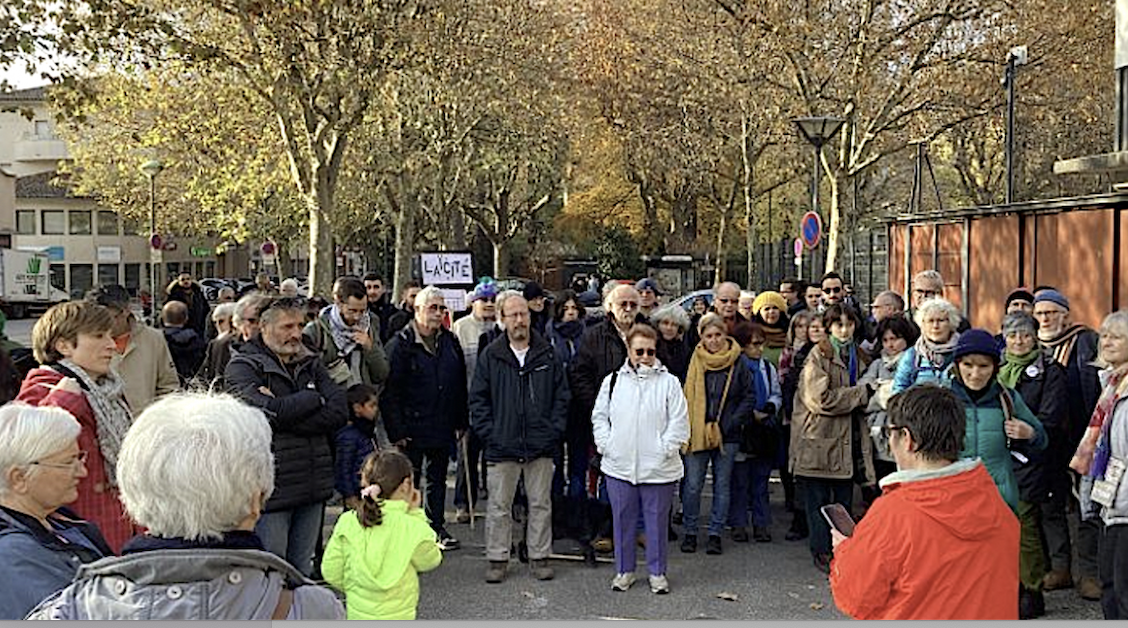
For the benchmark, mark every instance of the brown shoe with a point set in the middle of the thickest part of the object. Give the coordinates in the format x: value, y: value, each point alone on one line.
x: 1089, y: 589
x: 541, y: 570
x: 496, y: 572
x: 1057, y: 579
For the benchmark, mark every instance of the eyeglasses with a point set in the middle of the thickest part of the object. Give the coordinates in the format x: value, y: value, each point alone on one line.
x: 834, y: 290
x: 926, y: 293
x: 487, y: 299
x: 75, y: 463
x: 436, y: 307
x: 520, y: 314
x: 646, y: 352
x: 627, y: 305
x: 720, y: 300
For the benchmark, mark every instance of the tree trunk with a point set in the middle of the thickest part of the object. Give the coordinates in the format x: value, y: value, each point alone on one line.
x: 285, y: 263
x: 405, y: 244
x: 832, y: 233
x: 501, y: 258
x: 749, y: 205
x: 321, y: 258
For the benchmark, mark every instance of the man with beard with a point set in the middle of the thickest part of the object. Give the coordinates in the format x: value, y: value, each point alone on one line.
x: 406, y: 310
x: 378, y: 302
x: 276, y: 372
x: 1075, y: 348
x: 519, y: 408
x: 347, y: 337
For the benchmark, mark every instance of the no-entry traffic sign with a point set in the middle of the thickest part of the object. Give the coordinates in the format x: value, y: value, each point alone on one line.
x: 810, y: 229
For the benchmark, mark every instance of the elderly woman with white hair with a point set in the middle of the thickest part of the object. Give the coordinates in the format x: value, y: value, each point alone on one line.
x: 931, y: 356
x: 41, y: 542
x: 195, y: 470
x: 672, y: 322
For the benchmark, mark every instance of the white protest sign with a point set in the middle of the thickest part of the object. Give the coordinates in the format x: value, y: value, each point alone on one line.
x: 454, y: 299
x: 446, y: 268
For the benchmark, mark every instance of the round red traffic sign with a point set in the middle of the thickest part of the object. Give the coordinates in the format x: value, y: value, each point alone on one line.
x: 810, y: 229
x: 798, y: 247
x: 267, y: 248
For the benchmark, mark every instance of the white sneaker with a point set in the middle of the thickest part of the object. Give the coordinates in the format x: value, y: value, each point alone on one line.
x: 623, y: 581
x: 659, y: 585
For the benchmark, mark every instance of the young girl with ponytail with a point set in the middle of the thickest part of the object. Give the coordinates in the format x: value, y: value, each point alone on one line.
x: 377, y: 551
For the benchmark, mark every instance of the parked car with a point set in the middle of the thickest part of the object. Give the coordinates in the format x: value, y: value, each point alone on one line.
x: 686, y: 300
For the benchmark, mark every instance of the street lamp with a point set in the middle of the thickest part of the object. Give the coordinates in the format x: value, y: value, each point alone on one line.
x: 151, y: 169
x: 1015, y: 58
x: 818, y: 130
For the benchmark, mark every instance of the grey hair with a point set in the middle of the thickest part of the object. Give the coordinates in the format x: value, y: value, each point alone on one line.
x: 711, y: 319
x: 1119, y: 319
x: 289, y: 282
x: 271, y: 312
x: 1016, y: 322
x: 426, y: 295
x: 223, y: 310
x: 940, y: 304
x: 30, y: 433
x: 249, y: 302
x: 615, y: 288
x: 503, y: 298
x: 897, y: 299
x: 931, y: 276
x: 225, y: 290
x: 193, y: 465
x: 671, y: 313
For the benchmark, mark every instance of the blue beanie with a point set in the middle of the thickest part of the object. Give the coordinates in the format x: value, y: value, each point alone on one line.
x: 977, y: 342
x: 486, y: 289
x: 1053, y: 296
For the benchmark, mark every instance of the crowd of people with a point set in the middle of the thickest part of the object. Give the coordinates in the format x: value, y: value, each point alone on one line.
x: 141, y: 464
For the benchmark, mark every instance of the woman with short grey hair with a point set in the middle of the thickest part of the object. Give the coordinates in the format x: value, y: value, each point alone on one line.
x: 672, y: 322
x: 929, y: 359
x: 41, y: 542
x: 195, y: 470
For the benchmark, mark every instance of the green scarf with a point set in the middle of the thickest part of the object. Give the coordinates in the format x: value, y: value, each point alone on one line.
x: 1014, y: 365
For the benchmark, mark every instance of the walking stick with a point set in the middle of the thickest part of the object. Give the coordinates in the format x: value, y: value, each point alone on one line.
x: 466, y: 462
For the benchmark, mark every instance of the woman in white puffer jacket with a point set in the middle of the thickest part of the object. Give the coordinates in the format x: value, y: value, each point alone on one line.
x: 640, y: 424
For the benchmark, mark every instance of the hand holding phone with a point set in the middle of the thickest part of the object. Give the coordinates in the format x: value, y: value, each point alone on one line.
x: 838, y: 518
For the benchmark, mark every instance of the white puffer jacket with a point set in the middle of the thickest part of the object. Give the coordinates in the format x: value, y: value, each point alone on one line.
x: 641, y: 428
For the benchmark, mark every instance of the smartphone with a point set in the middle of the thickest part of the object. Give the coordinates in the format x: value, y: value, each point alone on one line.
x: 838, y: 518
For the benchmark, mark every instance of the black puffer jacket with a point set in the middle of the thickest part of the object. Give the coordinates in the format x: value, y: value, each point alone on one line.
x: 425, y: 395
x: 305, y: 411
x: 1042, y: 387
x: 519, y: 412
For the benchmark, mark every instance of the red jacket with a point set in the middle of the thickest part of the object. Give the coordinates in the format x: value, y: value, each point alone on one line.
x: 97, y: 500
x: 938, y: 547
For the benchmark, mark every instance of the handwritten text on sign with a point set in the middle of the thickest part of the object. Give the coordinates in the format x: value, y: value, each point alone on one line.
x: 446, y: 268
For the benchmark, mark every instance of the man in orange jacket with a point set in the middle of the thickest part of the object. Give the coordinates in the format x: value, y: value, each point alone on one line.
x: 940, y: 543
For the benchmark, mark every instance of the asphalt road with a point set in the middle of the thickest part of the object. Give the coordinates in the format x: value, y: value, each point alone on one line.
x: 767, y: 581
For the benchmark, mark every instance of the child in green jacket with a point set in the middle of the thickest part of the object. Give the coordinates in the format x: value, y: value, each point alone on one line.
x: 377, y: 552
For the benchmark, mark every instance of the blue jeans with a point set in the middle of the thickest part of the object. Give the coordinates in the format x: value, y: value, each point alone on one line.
x: 761, y: 471
x: 696, y: 464
x: 292, y: 534
x: 819, y: 492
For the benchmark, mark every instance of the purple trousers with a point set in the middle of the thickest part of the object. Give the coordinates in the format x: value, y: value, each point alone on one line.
x: 653, y: 501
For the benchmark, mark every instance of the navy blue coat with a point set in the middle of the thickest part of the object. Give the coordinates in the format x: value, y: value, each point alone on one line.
x: 425, y: 396
x: 519, y: 412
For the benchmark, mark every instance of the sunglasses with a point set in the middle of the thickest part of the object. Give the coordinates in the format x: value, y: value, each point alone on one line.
x: 436, y: 307
x: 834, y: 290
x: 646, y: 352
x: 487, y: 299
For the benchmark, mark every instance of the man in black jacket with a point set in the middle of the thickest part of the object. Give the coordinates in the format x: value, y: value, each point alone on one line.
x: 519, y: 409
x: 424, y: 402
x: 191, y: 294
x: 378, y: 302
x: 276, y: 372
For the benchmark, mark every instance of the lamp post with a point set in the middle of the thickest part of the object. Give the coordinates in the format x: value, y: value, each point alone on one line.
x: 151, y: 169
x: 1015, y: 58
x: 818, y: 130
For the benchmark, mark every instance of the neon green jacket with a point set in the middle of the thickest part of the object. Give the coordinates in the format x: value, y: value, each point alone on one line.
x: 377, y: 567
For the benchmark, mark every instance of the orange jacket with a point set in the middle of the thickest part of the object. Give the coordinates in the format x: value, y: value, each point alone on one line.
x: 936, y: 545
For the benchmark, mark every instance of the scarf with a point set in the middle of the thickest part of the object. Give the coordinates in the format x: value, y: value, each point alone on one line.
x: 1014, y: 365
x: 1093, y: 453
x: 343, y: 333
x: 756, y: 367
x: 107, y: 400
x: 937, y: 354
x: 774, y: 338
x: 1061, y: 348
x: 850, y: 358
x: 704, y: 437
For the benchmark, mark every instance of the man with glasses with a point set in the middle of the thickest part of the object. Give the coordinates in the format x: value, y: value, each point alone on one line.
x: 468, y: 329
x: 603, y: 349
x: 424, y: 402
x: 926, y: 285
x: 347, y: 337
x: 726, y: 302
x: 1074, y: 347
x: 940, y: 543
x: 276, y: 372
x: 833, y: 288
x: 519, y: 408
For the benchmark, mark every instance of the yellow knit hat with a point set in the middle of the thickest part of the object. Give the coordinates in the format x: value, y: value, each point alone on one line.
x: 764, y: 299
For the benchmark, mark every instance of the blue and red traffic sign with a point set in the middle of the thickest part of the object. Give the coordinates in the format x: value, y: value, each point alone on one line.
x: 810, y: 229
